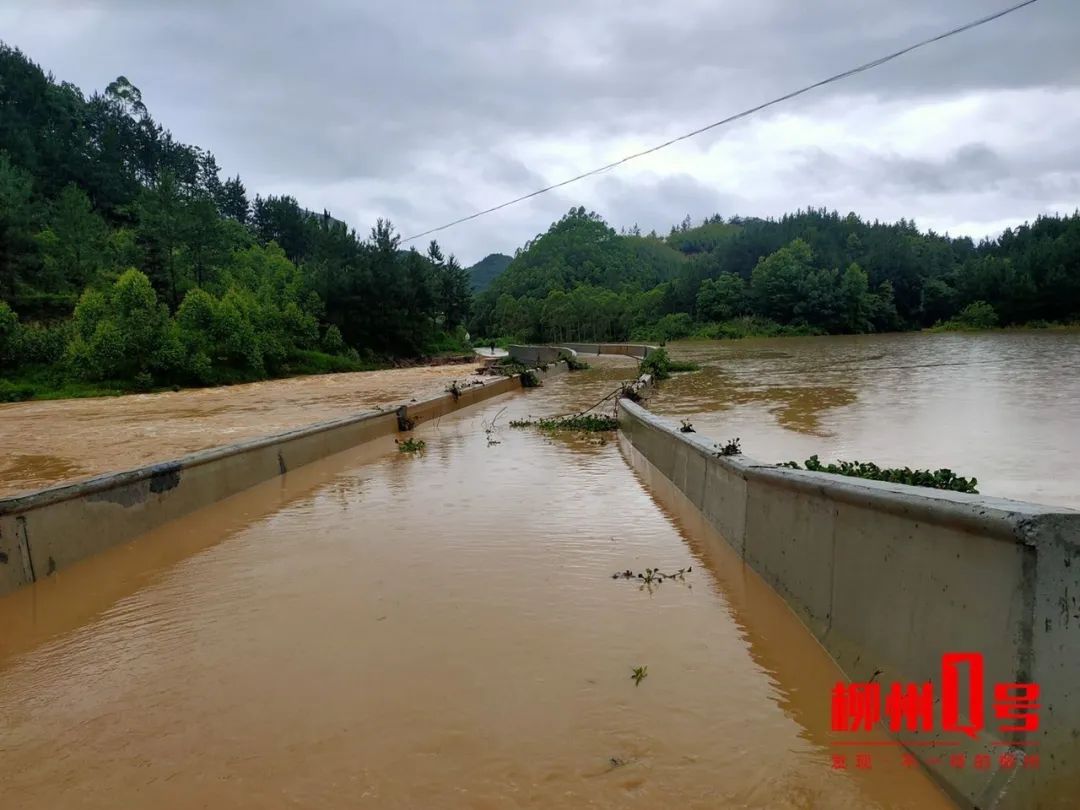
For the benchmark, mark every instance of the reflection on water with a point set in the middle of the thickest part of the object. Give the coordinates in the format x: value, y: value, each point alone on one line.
x: 1001, y: 407
x: 383, y: 630
x: 797, y: 408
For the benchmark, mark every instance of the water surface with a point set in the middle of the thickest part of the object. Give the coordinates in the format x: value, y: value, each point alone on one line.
x: 379, y: 630
x: 1003, y: 407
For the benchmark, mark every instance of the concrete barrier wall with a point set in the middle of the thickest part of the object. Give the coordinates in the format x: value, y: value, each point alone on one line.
x: 45, y: 531
x: 638, y: 350
x: 537, y: 355
x: 889, y: 577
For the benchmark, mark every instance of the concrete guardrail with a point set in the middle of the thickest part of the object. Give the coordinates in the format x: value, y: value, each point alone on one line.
x: 889, y: 577
x: 45, y: 531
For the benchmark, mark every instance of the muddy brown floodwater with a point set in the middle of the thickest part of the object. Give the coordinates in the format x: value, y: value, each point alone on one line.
x: 439, y: 631
x: 51, y: 441
x: 1003, y: 407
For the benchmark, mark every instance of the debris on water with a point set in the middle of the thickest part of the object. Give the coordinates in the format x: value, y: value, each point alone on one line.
x: 652, y: 575
x: 640, y: 673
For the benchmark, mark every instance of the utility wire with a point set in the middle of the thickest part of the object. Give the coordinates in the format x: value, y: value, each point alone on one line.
x: 787, y: 97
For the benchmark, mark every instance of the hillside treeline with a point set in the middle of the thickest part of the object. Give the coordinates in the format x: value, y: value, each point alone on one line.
x: 811, y: 272
x: 126, y: 257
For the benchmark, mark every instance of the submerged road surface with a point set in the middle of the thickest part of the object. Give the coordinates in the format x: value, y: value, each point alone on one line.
x: 438, y: 631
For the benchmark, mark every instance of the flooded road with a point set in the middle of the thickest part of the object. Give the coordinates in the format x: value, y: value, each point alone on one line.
x: 65, y: 440
x: 1003, y: 407
x: 439, y: 631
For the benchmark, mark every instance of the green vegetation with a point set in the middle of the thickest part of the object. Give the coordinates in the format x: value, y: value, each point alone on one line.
x: 975, y: 316
x: 652, y: 576
x: 661, y: 366
x: 530, y: 379
x: 573, y: 364
x: 582, y: 422
x: 812, y: 272
x: 639, y: 674
x: 128, y: 264
x: 729, y: 448
x: 410, y: 445
x: 936, y: 479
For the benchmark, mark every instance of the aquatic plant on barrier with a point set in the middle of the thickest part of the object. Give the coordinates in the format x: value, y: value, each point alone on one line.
x: 935, y: 479
x: 584, y: 422
x: 731, y: 448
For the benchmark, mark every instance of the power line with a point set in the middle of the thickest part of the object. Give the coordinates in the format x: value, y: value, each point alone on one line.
x: 786, y: 97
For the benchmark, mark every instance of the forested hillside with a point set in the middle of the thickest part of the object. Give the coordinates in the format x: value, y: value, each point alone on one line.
x: 127, y: 261
x: 487, y: 269
x: 812, y: 272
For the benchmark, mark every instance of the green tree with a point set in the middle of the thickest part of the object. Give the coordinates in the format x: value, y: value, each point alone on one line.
x: 9, y: 334
x: 120, y: 331
x: 776, y: 285
x: 855, y: 300
x: 74, y: 243
x: 160, y: 231
x: 721, y: 298
x: 233, y: 200
x: 15, y: 222
x: 455, y: 297
x: 938, y: 301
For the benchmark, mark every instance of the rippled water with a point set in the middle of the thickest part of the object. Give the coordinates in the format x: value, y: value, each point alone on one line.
x: 54, y: 441
x: 1002, y: 407
x: 377, y: 630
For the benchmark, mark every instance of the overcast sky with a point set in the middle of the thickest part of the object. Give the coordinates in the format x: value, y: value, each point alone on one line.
x: 425, y: 110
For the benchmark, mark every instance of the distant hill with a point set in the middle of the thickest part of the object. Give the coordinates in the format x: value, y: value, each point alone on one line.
x: 810, y: 272
x: 484, y: 271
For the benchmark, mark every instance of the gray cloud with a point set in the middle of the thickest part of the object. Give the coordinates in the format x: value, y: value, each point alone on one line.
x: 423, y: 110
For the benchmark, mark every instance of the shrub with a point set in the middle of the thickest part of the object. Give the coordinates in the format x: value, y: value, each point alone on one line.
x: 573, y: 364
x: 12, y: 392
x: 530, y: 379
x: 118, y: 332
x: 42, y: 344
x: 332, y: 341
x: 751, y: 326
x: 976, y: 315
x: 660, y: 365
